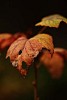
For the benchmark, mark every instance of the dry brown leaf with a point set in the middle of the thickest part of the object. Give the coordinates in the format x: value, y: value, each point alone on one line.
x: 52, y: 21
x: 5, y: 36
x: 6, y: 39
x: 30, y: 49
x: 62, y: 52
x: 15, y: 47
x: 45, y: 58
x: 55, y: 64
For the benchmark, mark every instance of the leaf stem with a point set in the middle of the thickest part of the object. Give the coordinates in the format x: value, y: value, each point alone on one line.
x: 42, y: 29
x: 35, y: 83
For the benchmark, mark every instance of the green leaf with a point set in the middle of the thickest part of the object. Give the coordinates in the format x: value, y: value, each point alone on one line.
x: 52, y: 21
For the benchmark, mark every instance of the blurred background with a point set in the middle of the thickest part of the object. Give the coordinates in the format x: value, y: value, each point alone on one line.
x: 19, y: 16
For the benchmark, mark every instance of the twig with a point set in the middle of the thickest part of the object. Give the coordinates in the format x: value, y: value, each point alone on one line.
x: 35, y: 83
x: 42, y: 29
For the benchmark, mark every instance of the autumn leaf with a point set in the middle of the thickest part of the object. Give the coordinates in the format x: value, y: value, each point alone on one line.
x: 45, y: 58
x: 6, y: 39
x: 16, y: 47
x: 52, y: 21
x: 62, y: 52
x: 3, y: 38
x: 25, y: 50
x: 5, y: 35
x: 55, y: 65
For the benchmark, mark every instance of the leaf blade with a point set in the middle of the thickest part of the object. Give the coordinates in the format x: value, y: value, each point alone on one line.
x: 55, y: 65
x: 30, y: 50
x: 52, y: 21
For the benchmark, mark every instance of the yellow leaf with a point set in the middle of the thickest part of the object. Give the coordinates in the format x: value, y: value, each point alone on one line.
x: 45, y: 40
x: 52, y: 21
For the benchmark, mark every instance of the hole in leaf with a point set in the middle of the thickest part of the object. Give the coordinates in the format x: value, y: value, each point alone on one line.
x: 24, y: 65
x: 20, y: 52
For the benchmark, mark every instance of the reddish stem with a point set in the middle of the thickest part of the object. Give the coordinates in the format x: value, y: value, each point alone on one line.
x: 35, y: 83
x: 42, y: 29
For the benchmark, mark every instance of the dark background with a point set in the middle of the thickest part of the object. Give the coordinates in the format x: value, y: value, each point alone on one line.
x: 19, y: 16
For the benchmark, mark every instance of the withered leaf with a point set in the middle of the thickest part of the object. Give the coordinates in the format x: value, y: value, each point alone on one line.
x: 45, y: 58
x: 6, y: 39
x: 62, y: 52
x: 52, y: 21
x: 15, y: 47
x: 30, y: 49
x: 55, y: 64
x: 5, y: 36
